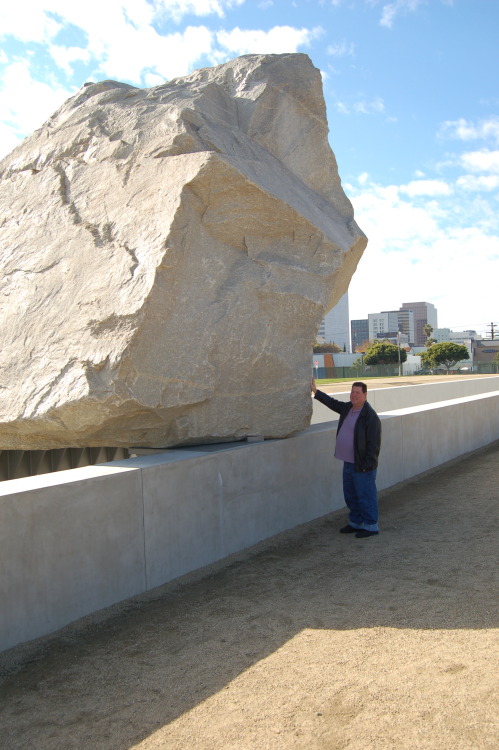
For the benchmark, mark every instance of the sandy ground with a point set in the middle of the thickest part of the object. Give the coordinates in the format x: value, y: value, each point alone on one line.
x: 312, y: 640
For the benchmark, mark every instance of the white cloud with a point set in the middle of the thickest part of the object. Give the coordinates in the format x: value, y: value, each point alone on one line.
x: 167, y: 56
x: 362, y: 107
x: 473, y: 183
x: 121, y: 44
x: 342, y: 108
x: 391, y: 10
x: 153, y: 79
x: 180, y: 8
x: 119, y: 33
x: 277, y: 40
x: 65, y: 56
x: 370, y: 107
x: 426, y: 187
x: 124, y: 44
x: 393, y: 221
x: 9, y: 139
x: 481, y: 161
x: 460, y: 129
x: 340, y: 49
x: 39, y: 21
x: 25, y: 104
x: 28, y: 24
x: 464, y: 130
x: 419, y: 253
x: 119, y: 40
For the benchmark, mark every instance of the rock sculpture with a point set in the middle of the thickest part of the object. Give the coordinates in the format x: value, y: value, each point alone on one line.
x: 167, y: 256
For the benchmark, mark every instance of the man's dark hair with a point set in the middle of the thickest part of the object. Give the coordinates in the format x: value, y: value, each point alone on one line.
x: 358, y: 384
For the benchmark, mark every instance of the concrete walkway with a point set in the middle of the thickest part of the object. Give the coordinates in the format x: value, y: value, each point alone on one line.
x: 313, y: 640
x: 393, y: 382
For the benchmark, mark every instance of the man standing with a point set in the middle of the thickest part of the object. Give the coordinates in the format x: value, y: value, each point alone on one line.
x: 358, y: 441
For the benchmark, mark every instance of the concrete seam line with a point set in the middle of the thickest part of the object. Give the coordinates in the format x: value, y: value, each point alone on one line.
x: 146, y: 582
x: 221, y: 518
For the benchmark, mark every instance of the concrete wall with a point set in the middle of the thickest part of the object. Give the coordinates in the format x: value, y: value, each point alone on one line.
x: 77, y: 541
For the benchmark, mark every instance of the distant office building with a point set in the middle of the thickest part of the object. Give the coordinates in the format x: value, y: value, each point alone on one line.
x: 423, y: 312
x: 359, y: 330
x: 406, y: 324
x: 457, y: 337
x: 334, y: 328
x: 484, y: 351
x: 386, y: 324
x: 383, y: 322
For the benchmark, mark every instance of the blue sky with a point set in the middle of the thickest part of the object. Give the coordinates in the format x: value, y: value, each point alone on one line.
x: 412, y: 94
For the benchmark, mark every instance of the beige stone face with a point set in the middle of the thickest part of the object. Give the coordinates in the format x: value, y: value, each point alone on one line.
x: 166, y: 257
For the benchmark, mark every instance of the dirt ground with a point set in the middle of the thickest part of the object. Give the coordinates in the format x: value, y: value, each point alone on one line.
x: 311, y: 641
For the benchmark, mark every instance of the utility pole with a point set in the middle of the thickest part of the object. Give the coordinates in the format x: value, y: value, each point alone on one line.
x: 492, y: 327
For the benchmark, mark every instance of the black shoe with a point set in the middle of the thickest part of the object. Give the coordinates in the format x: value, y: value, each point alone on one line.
x: 348, y: 529
x: 363, y: 533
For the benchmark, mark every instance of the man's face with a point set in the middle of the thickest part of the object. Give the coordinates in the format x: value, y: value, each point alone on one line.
x: 357, y: 397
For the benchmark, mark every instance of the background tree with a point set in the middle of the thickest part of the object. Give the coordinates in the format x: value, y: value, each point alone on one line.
x: 330, y: 348
x: 357, y: 365
x: 362, y: 348
x: 496, y: 360
x: 384, y: 353
x: 446, y: 353
x: 428, y: 330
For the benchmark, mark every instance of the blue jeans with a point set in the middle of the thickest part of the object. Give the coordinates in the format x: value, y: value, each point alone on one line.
x: 361, y: 497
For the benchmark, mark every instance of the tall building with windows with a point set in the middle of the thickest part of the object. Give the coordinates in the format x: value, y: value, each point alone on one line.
x: 391, y: 322
x: 423, y: 312
x: 406, y: 324
x: 457, y: 337
x: 359, y: 330
x: 335, y: 325
x: 383, y: 322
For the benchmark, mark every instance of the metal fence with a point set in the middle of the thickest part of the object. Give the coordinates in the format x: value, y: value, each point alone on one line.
x: 486, y: 368
x: 356, y: 373
x: 385, y: 371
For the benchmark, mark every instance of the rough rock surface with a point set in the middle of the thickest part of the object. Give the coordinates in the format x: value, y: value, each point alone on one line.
x: 167, y: 255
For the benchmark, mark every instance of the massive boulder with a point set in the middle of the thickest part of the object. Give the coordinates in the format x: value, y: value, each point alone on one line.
x: 167, y: 255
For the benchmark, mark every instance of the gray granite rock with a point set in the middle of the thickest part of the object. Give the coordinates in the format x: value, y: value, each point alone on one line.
x: 166, y: 257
